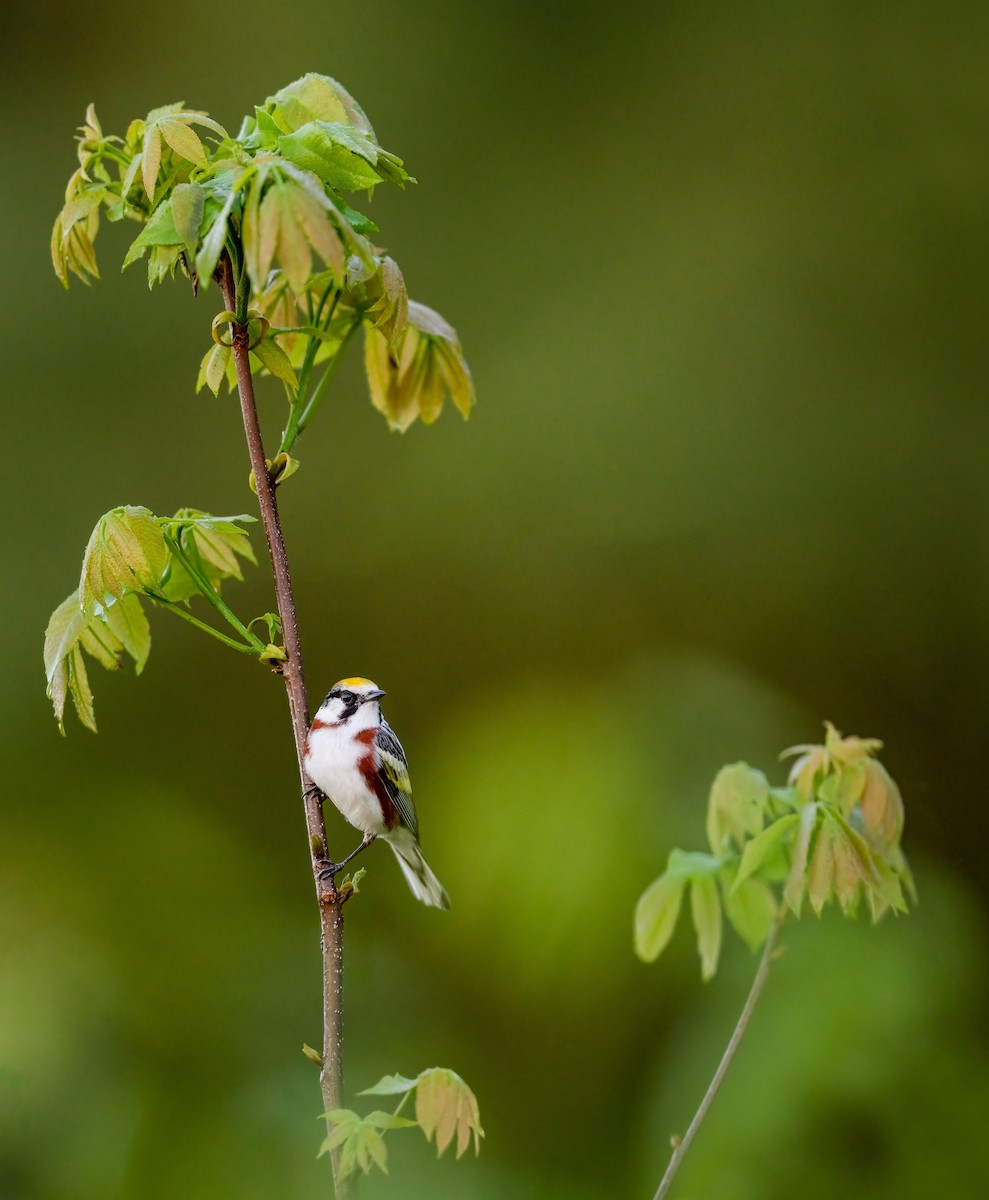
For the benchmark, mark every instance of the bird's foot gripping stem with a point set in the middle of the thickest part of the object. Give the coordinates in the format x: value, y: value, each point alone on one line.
x: 330, y: 870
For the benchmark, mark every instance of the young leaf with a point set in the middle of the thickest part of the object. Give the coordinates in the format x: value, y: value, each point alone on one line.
x: 276, y: 361
x: 656, y: 916
x: 426, y: 363
x: 390, y: 1085
x: 213, y: 368
x: 126, y: 552
x: 882, y: 806
x: 188, y: 205
x: 736, y: 806
x: 705, y: 910
x: 796, y: 881
x: 445, y: 1106
x: 820, y: 876
x: 106, y: 634
x: 361, y: 1143
x: 692, y: 864
x: 315, y: 98
x: 751, y: 908
x: 756, y: 850
x: 324, y: 148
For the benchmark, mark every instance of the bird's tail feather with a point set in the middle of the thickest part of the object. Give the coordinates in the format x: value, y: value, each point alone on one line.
x: 424, y: 884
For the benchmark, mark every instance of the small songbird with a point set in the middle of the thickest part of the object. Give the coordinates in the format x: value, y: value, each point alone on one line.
x: 356, y: 760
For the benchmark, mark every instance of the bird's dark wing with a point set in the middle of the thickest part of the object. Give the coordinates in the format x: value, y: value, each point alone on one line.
x: 394, y: 774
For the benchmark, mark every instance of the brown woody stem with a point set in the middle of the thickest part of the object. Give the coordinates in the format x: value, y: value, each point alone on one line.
x: 329, y: 899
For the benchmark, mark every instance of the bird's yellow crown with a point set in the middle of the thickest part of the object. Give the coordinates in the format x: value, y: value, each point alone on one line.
x: 355, y: 682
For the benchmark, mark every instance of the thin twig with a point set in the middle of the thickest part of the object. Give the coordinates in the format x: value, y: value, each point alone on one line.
x: 330, y: 903
x: 683, y: 1145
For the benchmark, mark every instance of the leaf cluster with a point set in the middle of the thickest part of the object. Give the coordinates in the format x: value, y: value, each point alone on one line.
x: 445, y: 1108
x: 831, y: 835
x: 271, y: 199
x: 133, y: 556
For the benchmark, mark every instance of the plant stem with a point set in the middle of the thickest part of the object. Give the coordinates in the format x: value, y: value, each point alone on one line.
x: 220, y: 637
x: 330, y: 905
x: 209, y: 592
x: 762, y: 971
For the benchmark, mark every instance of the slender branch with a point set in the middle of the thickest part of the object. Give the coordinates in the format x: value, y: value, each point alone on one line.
x: 762, y: 971
x: 329, y: 899
x: 179, y: 611
x: 209, y: 593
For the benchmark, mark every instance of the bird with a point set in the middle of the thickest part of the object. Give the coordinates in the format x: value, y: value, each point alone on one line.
x: 353, y: 756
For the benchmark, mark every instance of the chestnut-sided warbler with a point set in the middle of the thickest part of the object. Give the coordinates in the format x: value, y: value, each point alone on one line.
x: 356, y: 760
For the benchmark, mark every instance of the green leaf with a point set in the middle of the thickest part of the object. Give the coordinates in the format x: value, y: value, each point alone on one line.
x: 751, y: 908
x: 360, y: 1140
x: 390, y: 1085
x: 315, y: 97
x: 276, y: 361
x: 151, y: 160
x: 755, y: 851
x: 159, y: 231
x: 445, y: 1106
x: 126, y: 552
x: 797, y: 879
x: 183, y: 140
x: 127, y: 622
x: 692, y: 864
x: 843, y: 787
x: 338, y: 155
x: 213, y: 368
x: 188, y: 204
x: 213, y: 543
x: 213, y: 242
x: 105, y: 634
x: 705, y: 910
x: 408, y: 380
x: 387, y: 1120
x: 821, y: 874
x: 656, y: 916
x: 736, y: 806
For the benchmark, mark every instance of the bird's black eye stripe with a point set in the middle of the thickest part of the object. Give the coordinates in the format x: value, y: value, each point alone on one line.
x: 350, y: 700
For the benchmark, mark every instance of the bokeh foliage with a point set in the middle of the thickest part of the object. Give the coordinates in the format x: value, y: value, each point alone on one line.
x: 720, y: 273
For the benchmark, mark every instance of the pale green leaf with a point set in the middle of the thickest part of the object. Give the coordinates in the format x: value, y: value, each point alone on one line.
x: 183, y: 140
x: 705, y: 910
x: 324, y: 148
x: 324, y: 239
x: 213, y: 368
x: 276, y: 361
x: 390, y: 1085
x: 797, y: 879
x: 128, y: 622
x: 656, y: 916
x: 316, y: 97
x: 736, y: 806
x: 755, y: 851
x: 821, y: 872
x: 387, y: 1120
x: 446, y: 1107
x: 269, y: 228
x: 213, y: 242
x: 79, y: 689
x: 151, y: 160
x: 188, y: 204
x: 126, y: 552
x: 751, y: 908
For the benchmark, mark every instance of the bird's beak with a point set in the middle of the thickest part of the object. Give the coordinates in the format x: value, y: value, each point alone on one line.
x: 375, y: 695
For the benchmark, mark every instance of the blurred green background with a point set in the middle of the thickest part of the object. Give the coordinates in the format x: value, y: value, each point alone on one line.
x: 720, y: 271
